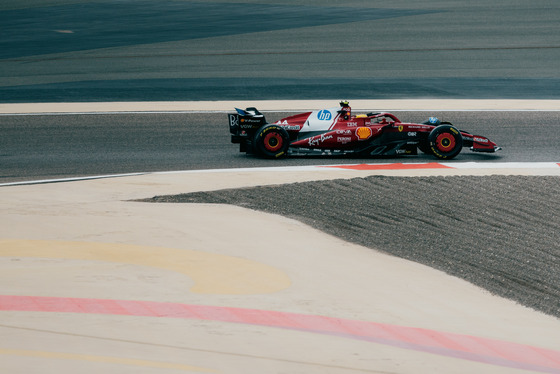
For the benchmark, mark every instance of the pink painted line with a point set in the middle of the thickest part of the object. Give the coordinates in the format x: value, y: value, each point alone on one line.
x: 472, y: 348
x: 393, y: 166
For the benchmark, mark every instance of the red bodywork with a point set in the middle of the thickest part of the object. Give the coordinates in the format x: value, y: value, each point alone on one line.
x: 337, y: 131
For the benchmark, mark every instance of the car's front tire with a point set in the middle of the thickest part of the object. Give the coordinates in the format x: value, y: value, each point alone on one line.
x: 271, y: 141
x: 445, y: 142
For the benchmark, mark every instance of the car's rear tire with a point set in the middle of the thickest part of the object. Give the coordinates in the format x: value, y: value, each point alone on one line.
x: 445, y: 142
x: 271, y: 141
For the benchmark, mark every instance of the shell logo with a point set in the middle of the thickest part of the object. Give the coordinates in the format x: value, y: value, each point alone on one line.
x: 363, y: 133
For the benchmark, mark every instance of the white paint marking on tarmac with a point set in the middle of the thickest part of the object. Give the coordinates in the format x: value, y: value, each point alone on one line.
x: 308, y: 168
x: 501, y: 165
x: 278, y: 106
x: 73, y: 179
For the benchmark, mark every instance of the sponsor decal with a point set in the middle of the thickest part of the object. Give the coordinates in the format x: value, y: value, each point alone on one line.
x: 250, y: 120
x: 280, y: 122
x: 401, y: 127
x: 324, y: 115
x: 480, y: 140
x: 344, y: 139
x: 290, y: 127
x: 363, y: 133
x: 316, y: 140
x: 343, y: 132
x: 233, y: 121
x: 268, y: 129
x: 352, y: 124
x: 412, y: 133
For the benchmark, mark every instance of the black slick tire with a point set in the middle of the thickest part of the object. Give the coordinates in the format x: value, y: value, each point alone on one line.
x: 445, y: 142
x: 271, y: 141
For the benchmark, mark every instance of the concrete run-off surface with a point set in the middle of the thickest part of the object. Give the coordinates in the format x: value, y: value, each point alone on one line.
x: 93, y: 281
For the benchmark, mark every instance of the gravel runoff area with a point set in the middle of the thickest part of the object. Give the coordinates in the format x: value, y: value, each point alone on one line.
x: 501, y: 233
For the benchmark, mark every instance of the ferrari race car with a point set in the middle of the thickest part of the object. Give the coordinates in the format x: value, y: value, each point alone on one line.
x: 337, y: 132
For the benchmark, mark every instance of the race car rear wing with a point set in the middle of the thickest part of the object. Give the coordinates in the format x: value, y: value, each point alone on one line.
x: 245, y: 123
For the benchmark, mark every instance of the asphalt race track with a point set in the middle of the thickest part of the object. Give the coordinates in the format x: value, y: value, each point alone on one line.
x: 82, y: 50
x: 58, y: 146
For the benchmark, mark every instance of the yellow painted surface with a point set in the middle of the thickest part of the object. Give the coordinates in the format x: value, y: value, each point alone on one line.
x: 211, y: 273
x: 103, y: 359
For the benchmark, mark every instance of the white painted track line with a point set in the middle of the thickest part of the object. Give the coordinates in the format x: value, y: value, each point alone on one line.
x: 412, y: 169
x: 281, y: 105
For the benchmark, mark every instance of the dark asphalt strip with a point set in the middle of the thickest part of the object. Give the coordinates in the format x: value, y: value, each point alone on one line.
x: 501, y: 233
x: 104, y: 24
x: 269, y: 88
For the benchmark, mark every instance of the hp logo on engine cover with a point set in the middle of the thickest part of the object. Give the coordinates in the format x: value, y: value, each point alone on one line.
x: 324, y: 115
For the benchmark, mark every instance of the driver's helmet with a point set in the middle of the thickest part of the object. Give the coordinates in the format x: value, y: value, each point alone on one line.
x: 433, y: 121
x: 345, y: 109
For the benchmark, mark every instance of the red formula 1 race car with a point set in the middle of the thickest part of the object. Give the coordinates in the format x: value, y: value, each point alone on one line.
x: 338, y: 132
